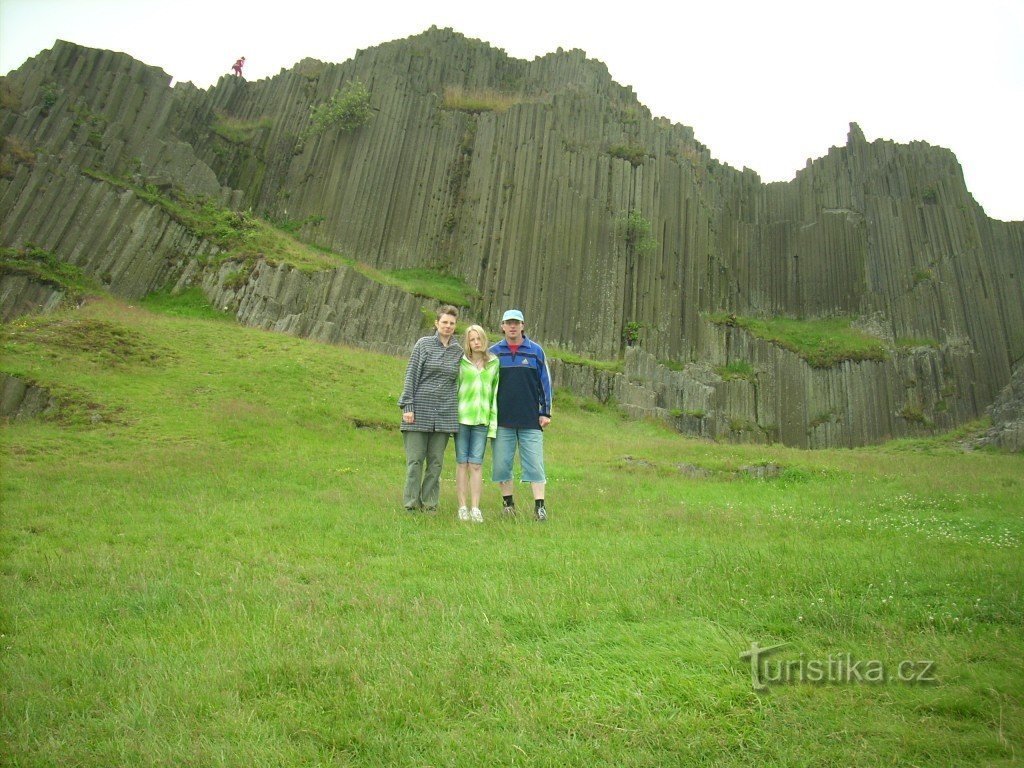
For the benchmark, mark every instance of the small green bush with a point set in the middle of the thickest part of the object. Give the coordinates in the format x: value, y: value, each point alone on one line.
x: 631, y: 153
x: 49, y: 94
x: 346, y: 110
x: 637, y: 231
x: 237, y: 278
x: 923, y: 276
x: 914, y: 414
x: 679, y: 413
x: 631, y: 333
x: 822, y: 418
x: 737, y: 370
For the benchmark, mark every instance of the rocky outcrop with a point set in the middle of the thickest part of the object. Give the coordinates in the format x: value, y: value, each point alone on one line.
x: 127, y: 245
x: 79, y: 112
x: 330, y: 306
x: 846, y: 405
x: 616, y: 233
x: 89, y: 115
x: 1007, y: 414
x: 22, y: 294
x: 20, y: 399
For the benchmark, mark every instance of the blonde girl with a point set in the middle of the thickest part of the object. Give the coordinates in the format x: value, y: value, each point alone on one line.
x: 478, y: 420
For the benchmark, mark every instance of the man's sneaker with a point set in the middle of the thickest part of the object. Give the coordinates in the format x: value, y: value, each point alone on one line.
x: 476, y: 515
x: 464, y: 514
x: 509, y: 510
x: 540, y: 515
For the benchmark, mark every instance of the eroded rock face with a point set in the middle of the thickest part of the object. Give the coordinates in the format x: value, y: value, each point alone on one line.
x: 542, y: 204
x: 1007, y: 414
x: 22, y: 294
x: 20, y: 399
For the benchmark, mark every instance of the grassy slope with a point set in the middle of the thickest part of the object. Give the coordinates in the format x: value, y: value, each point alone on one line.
x: 204, y: 562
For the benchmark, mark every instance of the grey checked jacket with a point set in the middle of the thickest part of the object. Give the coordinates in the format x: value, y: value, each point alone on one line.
x: 431, y: 388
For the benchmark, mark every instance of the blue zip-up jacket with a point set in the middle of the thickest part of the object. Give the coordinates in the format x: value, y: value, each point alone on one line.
x: 524, y: 385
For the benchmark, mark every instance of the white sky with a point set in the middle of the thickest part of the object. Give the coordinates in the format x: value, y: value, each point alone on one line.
x: 765, y: 85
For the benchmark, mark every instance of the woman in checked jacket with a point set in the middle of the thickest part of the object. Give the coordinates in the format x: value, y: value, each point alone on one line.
x: 430, y: 410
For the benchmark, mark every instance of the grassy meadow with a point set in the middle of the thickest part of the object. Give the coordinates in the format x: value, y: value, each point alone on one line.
x: 204, y: 562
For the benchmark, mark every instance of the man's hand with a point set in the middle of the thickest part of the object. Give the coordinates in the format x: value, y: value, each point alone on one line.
x: 544, y: 421
x: 409, y: 417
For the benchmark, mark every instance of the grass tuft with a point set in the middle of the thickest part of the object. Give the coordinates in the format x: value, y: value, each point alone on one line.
x: 574, y: 358
x: 238, y: 131
x: 190, y: 303
x: 432, y: 284
x: 44, y: 266
x: 477, y: 100
x: 823, y: 342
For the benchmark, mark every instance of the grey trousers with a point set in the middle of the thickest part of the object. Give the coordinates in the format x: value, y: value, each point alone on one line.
x: 424, y: 455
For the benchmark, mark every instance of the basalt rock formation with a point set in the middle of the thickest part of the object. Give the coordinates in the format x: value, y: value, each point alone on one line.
x: 1007, y: 413
x: 616, y: 233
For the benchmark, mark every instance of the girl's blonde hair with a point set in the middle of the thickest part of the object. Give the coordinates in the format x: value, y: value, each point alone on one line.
x: 483, y: 335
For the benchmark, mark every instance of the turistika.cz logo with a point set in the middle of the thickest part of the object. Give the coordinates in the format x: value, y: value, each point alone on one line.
x: 835, y: 669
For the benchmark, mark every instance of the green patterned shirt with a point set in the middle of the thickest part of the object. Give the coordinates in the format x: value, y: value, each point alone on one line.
x: 478, y: 394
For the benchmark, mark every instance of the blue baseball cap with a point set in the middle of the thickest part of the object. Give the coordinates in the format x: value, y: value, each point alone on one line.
x: 513, y: 314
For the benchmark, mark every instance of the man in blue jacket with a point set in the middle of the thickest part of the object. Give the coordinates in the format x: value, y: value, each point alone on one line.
x: 524, y: 410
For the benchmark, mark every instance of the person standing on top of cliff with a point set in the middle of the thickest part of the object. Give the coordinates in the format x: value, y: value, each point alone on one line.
x: 430, y: 410
x: 524, y: 410
x: 237, y: 67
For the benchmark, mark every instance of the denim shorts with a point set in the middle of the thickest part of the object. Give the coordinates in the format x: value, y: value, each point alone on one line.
x: 470, y: 444
x: 531, y: 454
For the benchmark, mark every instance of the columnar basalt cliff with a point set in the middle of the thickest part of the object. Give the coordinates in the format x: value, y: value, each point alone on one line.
x: 618, y: 234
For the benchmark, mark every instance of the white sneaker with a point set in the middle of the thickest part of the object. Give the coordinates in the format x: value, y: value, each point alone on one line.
x: 476, y: 515
x: 464, y: 514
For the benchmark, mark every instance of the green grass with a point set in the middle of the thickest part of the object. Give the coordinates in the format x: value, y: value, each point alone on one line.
x: 573, y: 358
x: 237, y: 130
x: 737, y: 370
x: 246, y: 238
x: 431, y: 283
x: 44, y: 266
x: 906, y: 344
x: 477, y: 100
x: 190, y: 303
x: 240, y: 235
x: 821, y: 342
x: 214, y: 568
x: 631, y: 153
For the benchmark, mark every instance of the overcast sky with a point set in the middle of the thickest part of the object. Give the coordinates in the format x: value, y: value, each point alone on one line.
x: 765, y: 85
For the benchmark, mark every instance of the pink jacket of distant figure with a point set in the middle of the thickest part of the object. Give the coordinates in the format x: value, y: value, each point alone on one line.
x: 237, y: 66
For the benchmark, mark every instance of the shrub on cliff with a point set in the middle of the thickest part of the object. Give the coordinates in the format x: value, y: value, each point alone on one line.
x: 637, y: 232
x: 347, y: 110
